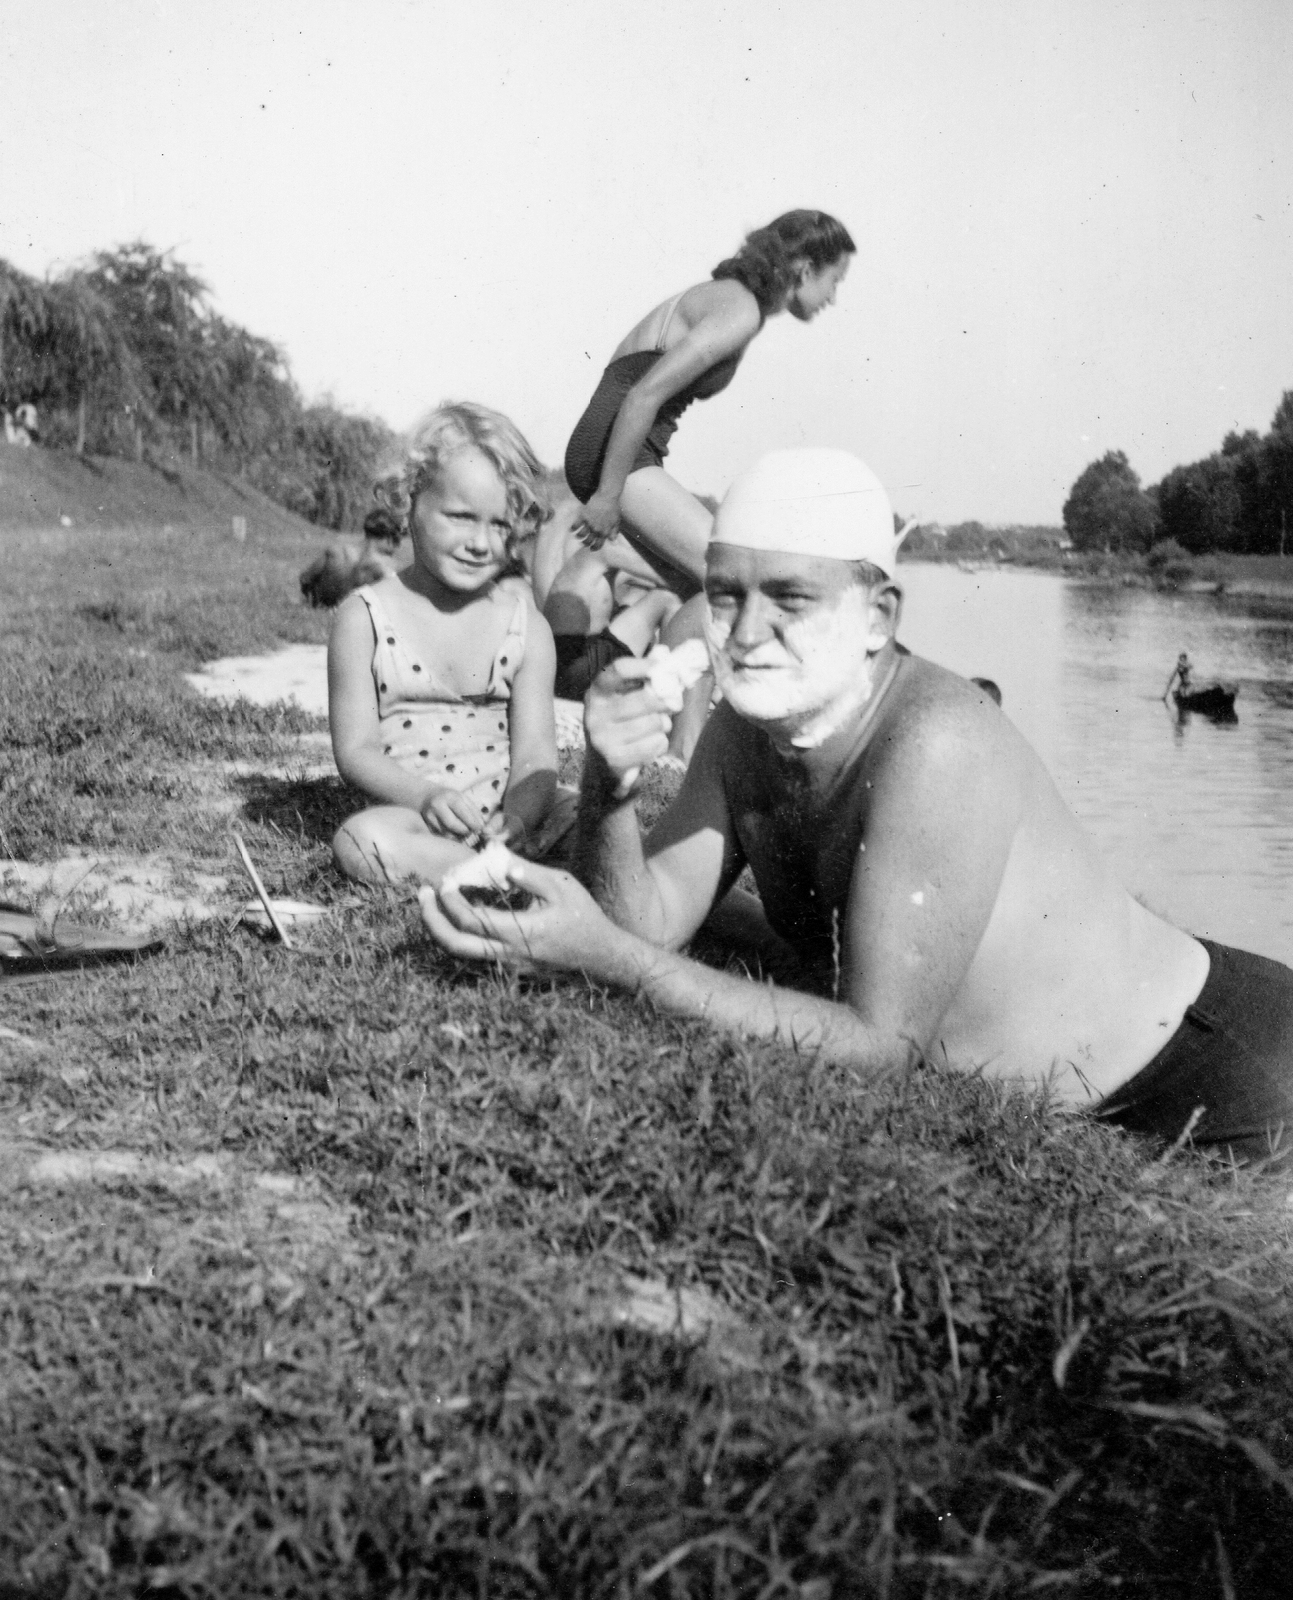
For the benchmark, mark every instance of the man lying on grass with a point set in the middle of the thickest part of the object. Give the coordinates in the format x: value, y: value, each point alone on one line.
x: 909, y: 848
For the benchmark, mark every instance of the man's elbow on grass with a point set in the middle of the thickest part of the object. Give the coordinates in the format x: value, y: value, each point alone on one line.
x: 843, y: 1039
x: 824, y: 1030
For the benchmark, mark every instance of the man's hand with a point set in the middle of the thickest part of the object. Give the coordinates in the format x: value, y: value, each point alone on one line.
x: 561, y: 930
x: 600, y: 521
x: 451, y: 814
x: 625, y: 721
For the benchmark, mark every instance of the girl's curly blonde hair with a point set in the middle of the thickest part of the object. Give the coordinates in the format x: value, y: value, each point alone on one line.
x: 462, y: 425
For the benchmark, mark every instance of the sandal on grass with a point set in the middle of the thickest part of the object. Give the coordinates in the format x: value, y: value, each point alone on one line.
x: 33, y: 946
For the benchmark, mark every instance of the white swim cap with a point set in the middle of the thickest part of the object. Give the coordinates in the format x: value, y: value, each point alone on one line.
x: 810, y: 503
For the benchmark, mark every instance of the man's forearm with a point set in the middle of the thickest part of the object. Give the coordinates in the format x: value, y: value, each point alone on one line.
x: 737, y: 1006
x: 608, y: 858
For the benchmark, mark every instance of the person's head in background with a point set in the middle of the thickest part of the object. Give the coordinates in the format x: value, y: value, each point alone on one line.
x: 383, y: 530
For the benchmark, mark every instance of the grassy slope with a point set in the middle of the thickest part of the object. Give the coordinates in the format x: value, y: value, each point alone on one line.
x: 39, y: 487
x: 426, y: 1400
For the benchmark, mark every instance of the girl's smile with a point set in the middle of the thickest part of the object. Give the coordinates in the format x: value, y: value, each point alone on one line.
x: 462, y: 523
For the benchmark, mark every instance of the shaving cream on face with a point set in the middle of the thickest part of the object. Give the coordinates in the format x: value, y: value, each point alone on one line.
x: 809, y: 675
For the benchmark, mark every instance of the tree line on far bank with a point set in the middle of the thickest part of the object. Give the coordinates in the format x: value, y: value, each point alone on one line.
x: 125, y: 356
x: 1238, y: 500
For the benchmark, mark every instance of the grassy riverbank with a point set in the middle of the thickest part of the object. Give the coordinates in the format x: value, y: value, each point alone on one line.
x: 350, y: 1271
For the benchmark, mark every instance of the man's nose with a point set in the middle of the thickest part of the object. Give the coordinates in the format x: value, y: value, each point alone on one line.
x: 751, y: 627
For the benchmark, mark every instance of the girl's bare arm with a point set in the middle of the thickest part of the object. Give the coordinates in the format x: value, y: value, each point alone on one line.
x: 532, y: 730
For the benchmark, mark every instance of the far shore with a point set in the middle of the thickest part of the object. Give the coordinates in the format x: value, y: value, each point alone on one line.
x: 1240, y: 577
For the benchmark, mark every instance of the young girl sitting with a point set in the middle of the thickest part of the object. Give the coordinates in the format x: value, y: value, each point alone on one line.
x: 440, y: 676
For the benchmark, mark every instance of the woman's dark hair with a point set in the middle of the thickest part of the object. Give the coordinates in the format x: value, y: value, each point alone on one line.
x: 768, y: 260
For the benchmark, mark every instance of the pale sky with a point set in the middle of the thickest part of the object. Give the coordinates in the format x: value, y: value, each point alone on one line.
x: 1073, y: 218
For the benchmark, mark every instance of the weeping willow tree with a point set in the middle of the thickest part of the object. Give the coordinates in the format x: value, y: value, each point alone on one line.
x: 64, y: 349
x: 160, y: 308
x: 94, y: 368
x: 24, y: 328
x: 126, y: 356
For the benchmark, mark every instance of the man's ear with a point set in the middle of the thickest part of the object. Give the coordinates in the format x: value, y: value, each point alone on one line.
x: 886, y: 603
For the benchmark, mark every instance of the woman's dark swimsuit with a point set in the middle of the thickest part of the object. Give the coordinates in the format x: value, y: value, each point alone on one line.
x: 1232, y: 1056
x: 579, y: 660
x: 586, y: 452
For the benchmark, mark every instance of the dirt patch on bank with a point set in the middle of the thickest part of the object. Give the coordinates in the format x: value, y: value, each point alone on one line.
x: 141, y: 891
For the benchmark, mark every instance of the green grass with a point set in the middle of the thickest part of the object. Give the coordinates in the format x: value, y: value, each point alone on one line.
x: 972, y: 1347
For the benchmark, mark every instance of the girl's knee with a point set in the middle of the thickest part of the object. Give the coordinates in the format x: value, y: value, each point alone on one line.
x: 364, y: 849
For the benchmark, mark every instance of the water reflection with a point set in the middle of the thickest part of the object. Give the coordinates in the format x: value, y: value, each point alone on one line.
x: 1194, y: 814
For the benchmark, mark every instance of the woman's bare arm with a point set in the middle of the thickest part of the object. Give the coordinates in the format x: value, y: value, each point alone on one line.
x: 723, y: 330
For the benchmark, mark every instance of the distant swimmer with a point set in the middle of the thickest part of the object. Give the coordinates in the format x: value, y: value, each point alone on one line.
x: 1214, y: 700
x: 1180, y: 679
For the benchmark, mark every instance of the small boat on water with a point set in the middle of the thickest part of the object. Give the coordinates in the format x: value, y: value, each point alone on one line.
x: 1209, y: 699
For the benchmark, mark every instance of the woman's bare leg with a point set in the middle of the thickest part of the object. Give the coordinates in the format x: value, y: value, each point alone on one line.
x: 667, y: 519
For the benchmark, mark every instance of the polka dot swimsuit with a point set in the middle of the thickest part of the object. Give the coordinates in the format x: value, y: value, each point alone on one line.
x: 442, y: 736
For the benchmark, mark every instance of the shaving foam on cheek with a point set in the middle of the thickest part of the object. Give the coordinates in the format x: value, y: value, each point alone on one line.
x: 716, y: 637
x: 769, y: 697
x: 820, y: 665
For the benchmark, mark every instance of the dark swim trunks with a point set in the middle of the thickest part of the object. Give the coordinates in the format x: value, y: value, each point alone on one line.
x: 580, y: 659
x: 587, y: 448
x: 1232, y: 1055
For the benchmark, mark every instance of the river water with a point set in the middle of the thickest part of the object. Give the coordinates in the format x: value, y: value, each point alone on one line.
x: 1196, y: 816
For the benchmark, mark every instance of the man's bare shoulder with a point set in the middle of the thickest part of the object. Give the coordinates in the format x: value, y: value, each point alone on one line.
x: 938, y: 721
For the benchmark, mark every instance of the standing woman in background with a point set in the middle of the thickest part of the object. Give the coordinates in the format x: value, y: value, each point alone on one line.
x: 636, y: 517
